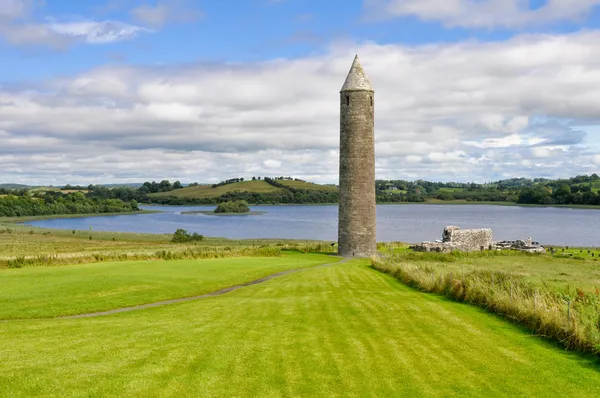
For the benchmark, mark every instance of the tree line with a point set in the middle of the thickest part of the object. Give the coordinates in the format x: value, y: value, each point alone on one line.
x: 581, y: 189
x: 53, y: 202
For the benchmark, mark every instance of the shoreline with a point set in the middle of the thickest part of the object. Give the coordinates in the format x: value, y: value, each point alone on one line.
x: 24, y: 219
x: 429, y: 203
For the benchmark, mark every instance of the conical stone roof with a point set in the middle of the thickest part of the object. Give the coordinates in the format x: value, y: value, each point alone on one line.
x: 357, y: 78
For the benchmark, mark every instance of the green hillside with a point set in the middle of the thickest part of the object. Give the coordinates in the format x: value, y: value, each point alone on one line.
x: 256, y: 186
x: 306, y: 185
x: 14, y: 186
x: 207, y: 191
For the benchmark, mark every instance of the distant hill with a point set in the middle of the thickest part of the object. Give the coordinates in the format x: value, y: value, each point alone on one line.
x: 306, y: 185
x: 14, y: 186
x: 255, y: 186
x: 129, y: 185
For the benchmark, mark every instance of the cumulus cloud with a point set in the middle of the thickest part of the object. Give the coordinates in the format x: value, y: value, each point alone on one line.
x: 483, y: 13
x: 13, y: 9
x: 18, y: 28
x: 94, y: 32
x: 466, y: 111
x: 177, y: 11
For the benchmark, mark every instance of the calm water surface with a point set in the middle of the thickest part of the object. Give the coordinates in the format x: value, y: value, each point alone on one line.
x: 407, y: 223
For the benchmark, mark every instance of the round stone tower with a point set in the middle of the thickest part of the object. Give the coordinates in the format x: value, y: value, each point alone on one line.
x: 356, y: 228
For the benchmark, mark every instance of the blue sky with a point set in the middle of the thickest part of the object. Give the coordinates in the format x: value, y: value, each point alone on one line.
x: 239, y: 31
x: 469, y: 90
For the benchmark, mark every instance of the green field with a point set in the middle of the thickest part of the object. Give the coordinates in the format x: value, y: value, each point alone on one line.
x: 257, y: 186
x: 57, y: 189
x: 207, y: 191
x: 559, y: 273
x: 43, y: 292
x: 342, y: 330
x: 23, y: 240
x: 451, y: 190
x: 306, y: 185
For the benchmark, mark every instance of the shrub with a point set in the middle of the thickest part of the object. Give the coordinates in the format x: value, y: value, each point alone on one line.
x: 238, y: 206
x: 182, y: 236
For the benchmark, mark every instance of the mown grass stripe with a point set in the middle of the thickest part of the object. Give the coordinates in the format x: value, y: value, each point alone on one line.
x: 344, y: 330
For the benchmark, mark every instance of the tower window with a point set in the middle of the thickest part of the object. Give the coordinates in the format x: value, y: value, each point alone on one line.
x: 371, y: 101
x: 347, y: 100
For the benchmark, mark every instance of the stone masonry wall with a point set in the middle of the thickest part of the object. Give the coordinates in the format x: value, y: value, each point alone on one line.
x: 454, y: 238
x: 357, y: 218
x: 470, y: 239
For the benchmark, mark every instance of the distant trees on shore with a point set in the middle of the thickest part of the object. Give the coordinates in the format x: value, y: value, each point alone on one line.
x: 580, y: 190
x: 53, y: 202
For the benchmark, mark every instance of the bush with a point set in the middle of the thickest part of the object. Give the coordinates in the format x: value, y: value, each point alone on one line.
x: 238, y: 206
x: 182, y: 236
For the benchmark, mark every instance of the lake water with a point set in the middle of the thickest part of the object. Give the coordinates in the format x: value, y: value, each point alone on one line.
x: 406, y: 223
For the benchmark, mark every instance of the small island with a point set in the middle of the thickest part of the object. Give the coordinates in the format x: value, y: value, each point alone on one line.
x: 238, y: 206
x: 230, y: 208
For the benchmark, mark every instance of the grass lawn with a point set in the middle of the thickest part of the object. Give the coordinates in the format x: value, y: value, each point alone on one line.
x: 343, y: 330
x: 40, y: 292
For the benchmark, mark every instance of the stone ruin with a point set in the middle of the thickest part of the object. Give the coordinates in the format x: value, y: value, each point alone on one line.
x: 527, y: 245
x: 469, y: 240
x: 454, y: 238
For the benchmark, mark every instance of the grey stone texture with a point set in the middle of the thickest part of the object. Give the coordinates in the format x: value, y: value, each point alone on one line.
x: 454, y: 238
x: 357, y: 78
x: 527, y: 245
x: 468, y: 240
x: 357, y: 215
x: 472, y: 239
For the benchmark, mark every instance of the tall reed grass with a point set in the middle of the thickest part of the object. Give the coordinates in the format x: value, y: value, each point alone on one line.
x: 571, y: 320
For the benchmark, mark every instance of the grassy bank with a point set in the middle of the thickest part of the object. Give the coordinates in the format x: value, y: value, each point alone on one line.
x: 343, y: 330
x: 522, y: 288
x: 561, y: 274
x: 22, y: 246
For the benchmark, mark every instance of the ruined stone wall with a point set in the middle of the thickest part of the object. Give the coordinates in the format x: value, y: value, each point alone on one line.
x: 356, y: 230
x: 470, y: 239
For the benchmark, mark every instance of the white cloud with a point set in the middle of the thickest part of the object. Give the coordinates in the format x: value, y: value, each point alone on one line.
x: 13, y: 9
x: 467, y: 111
x: 178, y: 11
x: 483, y: 13
x: 18, y: 28
x: 95, y: 32
x: 272, y: 164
